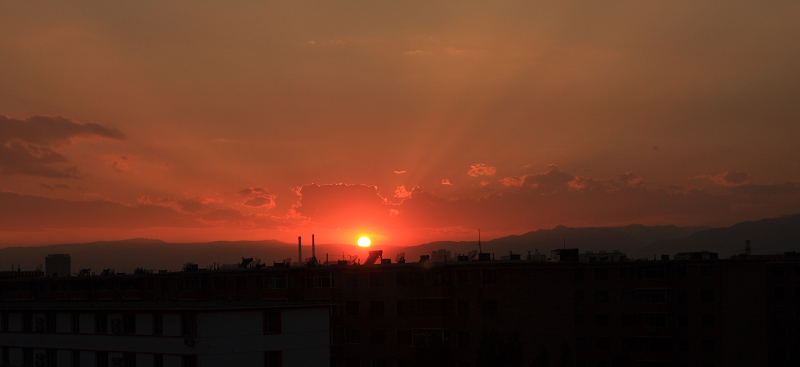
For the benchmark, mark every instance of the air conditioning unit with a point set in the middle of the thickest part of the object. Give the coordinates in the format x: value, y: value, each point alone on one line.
x: 116, y: 362
x: 38, y: 324
x: 39, y: 360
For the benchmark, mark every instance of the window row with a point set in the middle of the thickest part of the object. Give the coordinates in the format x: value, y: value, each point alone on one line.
x: 647, y: 320
x: 423, y: 308
x: 12, y: 356
x: 100, y: 323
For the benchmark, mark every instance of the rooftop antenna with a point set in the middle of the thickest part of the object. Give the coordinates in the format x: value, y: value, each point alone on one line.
x: 479, y: 241
x: 747, y: 247
x: 299, y: 251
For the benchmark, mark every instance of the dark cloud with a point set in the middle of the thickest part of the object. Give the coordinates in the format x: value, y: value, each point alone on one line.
x: 253, y: 190
x: 189, y: 205
x: 787, y: 189
x: 260, y: 201
x: 55, y: 187
x: 258, y: 197
x: 19, y: 213
x: 28, y: 159
x: 631, y: 180
x: 235, y: 218
x: 730, y: 178
x: 52, y: 130
x: 25, y: 145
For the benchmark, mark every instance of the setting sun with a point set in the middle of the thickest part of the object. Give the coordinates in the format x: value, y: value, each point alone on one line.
x: 363, y: 241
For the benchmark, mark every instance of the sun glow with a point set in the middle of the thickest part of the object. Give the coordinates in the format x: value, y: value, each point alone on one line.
x: 363, y: 241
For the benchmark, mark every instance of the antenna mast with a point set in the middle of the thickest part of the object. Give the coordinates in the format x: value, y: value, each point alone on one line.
x: 479, y: 241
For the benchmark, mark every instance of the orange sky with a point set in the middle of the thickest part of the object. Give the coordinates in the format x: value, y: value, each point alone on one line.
x: 406, y: 121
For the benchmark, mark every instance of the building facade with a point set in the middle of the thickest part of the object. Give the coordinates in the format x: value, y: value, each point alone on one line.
x: 463, y: 313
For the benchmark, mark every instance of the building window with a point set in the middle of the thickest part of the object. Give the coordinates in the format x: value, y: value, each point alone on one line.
x: 778, y: 272
x: 272, y: 322
x: 601, y: 320
x: 3, y: 322
x: 377, y: 336
x: 707, y: 295
x: 190, y: 284
x: 707, y: 321
x: 579, y: 297
x: 489, y: 277
x: 189, y: 361
x: 628, y: 296
x: 273, y: 358
x: 682, y: 296
x: 351, y: 308
x: 75, y: 356
x: 158, y: 360
x: 428, y: 337
x: 50, y: 323
x: 779, y: 293
x: 404, y: 279
x: 352, y: 280
x: 462, y: 277
x: 579, y: 274
x: 462, y: 308
x: 188, y: 325
x: 378, y: 363
x: 490, y: 308
x: 680, y: 272
x: 580, y: 319
x: 353, y: 336
x: 27, y: 322
x: 130, y: 359
x: 463, y: 339
x: 603, y: 343
x: 627, y: 320
x: 101, y: 359
x: 709, y: 346
x: 682, y: 320
x: 220, y: 283
x: 129, y: 324
x: 601, y: 296
x: 75, y: 325
x: 158, y: 324
x: 404, y: 338
x: 100, y: 324
x: 651, y: 295
x: 240, y: 283
x: 376, y: 280
x: 376, y: 308
x: 706, y: 271
x: 319, y: 280
x: 600, y: 273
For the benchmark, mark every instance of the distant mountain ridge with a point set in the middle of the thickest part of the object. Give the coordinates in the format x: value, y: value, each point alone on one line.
x: 772, y: 235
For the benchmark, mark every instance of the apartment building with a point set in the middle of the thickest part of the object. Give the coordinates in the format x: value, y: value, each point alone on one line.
x: 454, y: 313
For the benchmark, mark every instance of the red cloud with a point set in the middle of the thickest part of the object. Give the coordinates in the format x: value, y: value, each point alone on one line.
x: 730, y: 179
x: 343, y: 205
x: 401, y: 192
x: 480, y: 169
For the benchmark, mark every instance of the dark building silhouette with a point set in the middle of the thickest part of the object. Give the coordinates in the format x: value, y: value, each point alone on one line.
x: 463, y: 313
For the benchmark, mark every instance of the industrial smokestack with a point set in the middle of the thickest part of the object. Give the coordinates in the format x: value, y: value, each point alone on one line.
x: 313, y: 253
x: 299, y: 251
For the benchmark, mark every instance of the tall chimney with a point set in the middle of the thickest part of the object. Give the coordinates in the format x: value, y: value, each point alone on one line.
x: 313, y: 253
x: 299, y: 251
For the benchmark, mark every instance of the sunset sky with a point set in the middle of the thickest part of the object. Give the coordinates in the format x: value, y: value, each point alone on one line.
x: 408, y: 121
